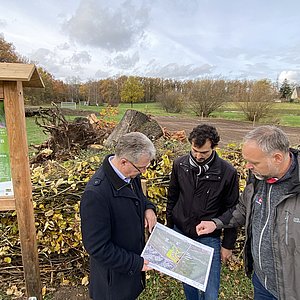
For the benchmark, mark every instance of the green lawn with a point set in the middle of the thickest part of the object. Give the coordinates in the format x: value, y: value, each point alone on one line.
x: 234, y: 285
x: 35, y: 134
x: 287, y: 114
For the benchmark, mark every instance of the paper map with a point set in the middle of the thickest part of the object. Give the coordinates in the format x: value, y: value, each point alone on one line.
x: 178, y: 256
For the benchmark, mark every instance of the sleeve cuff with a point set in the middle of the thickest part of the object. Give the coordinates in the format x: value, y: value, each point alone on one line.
x: 218, y: 223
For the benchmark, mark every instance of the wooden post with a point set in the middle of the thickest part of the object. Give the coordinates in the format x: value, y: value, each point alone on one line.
x: 144, y: 186
x: 20, y: 171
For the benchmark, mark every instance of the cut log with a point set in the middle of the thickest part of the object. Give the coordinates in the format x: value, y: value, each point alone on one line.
x: 135, y: 121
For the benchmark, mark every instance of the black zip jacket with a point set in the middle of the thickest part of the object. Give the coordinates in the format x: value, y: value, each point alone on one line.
x: 192, y: 198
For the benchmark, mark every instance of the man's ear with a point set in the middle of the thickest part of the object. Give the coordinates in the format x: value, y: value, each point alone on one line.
x: 278, y: 157
x: 123, y: 161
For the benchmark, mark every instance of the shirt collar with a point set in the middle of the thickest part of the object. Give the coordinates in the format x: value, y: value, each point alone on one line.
x: 120, y: 174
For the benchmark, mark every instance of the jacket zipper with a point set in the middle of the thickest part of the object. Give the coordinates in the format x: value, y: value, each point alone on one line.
x: 287, y: 216
x: 264, y: 228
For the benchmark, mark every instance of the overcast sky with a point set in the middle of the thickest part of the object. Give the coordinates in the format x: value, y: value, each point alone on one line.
x: 180, y: 39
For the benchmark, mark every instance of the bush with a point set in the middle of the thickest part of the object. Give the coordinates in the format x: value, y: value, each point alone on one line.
x: 171, y: 101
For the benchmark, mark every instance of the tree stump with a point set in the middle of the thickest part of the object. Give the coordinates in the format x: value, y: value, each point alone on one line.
x: 135, y: 121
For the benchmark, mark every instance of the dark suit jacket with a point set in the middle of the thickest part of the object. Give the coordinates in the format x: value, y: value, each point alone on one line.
x: 112, y: 224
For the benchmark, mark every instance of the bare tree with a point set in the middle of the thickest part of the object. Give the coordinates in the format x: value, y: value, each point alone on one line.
x: 255, y: 98
x: 206, y: 95
x: 171, y: 101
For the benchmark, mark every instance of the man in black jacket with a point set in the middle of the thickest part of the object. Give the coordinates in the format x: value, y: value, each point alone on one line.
x: 202, y: 187
x: 114, y: 213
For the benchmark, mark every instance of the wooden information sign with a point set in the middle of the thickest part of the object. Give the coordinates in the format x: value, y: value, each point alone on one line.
x: 17, y: 191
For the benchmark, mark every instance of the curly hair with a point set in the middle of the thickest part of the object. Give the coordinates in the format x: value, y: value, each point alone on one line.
x: 202, y: 133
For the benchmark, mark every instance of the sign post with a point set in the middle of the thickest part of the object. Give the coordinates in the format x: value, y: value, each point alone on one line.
x: 12, y: 79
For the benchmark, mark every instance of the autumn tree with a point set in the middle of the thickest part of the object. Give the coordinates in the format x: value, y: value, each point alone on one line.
x: 151, y: 88
x: 8, y: 53
x: 60, y: 90
x: 132, y: 90
x: 109, y: 91
x: 90, y: 92
x: 207, y: 95
x: 41, y: 96
x: 256, y: 99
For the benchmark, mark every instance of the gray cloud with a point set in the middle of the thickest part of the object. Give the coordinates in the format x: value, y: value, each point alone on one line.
x: 98, y: 24
x: 174, y: 70
x: 80, y: 57
x: 44, y: 56
x: 124, y: 61
x: 56, y: 64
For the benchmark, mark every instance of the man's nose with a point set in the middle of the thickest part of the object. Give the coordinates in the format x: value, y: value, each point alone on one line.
x: 198, y: 156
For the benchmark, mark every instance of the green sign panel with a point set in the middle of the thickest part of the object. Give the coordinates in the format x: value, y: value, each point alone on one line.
x: 6, y: 188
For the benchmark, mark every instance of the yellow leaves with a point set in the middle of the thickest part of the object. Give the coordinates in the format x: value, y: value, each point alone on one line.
x: 7, y: 260
x: 44, y: 290
x: 85, y: 280
x: 57, y: 247
x: 57, y: 217
x: 94, y: 159
x: 65, y: 282
x: 73, y: 186
x: 76, y: 207
x: 60, y: 182
x: 13, y: 291
x: 4, y: 250
x: 156, y: 191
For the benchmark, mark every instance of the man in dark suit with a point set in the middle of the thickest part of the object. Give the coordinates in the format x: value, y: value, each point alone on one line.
x: 114, y: 212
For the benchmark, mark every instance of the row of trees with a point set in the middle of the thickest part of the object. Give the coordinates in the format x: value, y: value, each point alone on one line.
x: 202, y: 96
x: 205, y: 96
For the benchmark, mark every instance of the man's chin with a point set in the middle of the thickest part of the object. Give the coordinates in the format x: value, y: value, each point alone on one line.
x: 259, y: 177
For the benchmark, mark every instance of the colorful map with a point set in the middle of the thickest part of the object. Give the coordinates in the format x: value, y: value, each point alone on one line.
x: 178, y: 256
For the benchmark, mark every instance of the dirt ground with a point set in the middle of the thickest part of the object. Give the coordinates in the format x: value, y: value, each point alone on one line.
x: 229, y: 131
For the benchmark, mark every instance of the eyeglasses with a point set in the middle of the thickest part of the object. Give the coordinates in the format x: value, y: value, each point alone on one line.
x: 139, y: 169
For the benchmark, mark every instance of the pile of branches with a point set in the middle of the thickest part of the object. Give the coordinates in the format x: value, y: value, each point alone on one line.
x: 68, y: 138
x: 57, y: 189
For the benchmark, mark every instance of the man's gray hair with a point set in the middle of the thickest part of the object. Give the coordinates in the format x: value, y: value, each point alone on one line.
x: 269, y: 139
x: 133, y: 145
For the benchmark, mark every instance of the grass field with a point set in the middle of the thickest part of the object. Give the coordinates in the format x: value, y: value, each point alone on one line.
x: 287, y: 114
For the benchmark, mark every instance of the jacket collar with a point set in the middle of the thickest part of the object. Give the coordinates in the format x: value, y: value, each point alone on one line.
x: 294, y: 181
x: 215, y: 167
x: 295, y: 178
x: 116, y: 181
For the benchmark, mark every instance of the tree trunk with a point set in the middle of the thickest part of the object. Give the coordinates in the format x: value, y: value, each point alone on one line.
x: 135, y: 121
